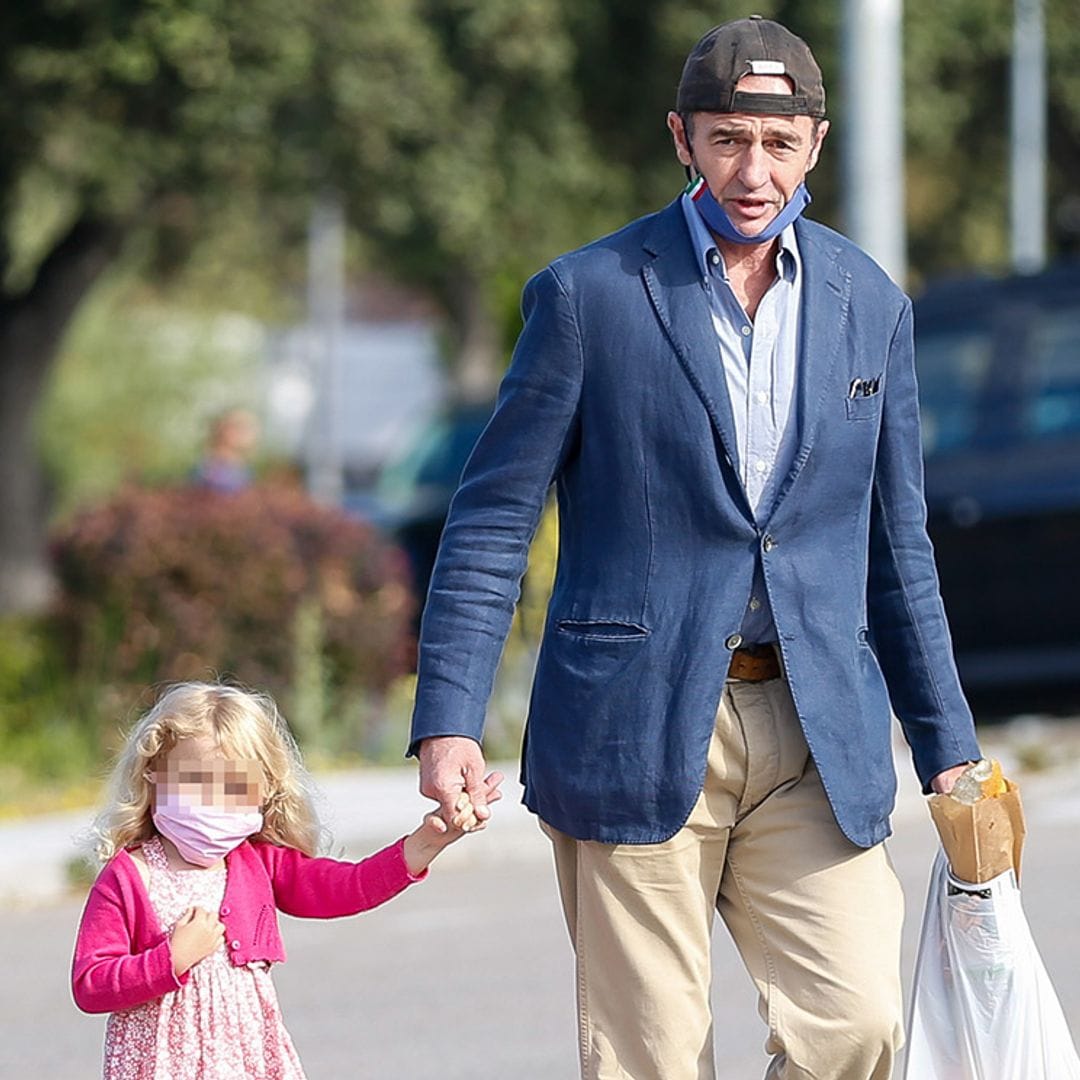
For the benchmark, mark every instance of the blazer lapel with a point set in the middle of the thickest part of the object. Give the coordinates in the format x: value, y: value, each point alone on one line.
x: 823, y: 322
x: 675, y: 286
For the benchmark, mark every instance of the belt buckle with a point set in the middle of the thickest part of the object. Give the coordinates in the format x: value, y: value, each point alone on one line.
x: 754, y: 664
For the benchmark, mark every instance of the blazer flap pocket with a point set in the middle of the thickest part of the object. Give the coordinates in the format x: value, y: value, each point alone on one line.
x: 602, y: 629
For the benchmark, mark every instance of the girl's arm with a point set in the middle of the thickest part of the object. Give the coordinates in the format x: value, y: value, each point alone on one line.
x: 319, y: 888
x: 328, y: 888
x: 106, y: 975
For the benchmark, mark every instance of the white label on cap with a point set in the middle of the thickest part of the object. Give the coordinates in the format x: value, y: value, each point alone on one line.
x: 767, y: 67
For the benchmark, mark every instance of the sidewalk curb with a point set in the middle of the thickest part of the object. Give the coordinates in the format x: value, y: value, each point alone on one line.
x: 365, y: 809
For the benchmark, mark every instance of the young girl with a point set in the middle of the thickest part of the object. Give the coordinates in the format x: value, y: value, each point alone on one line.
x: 210, y: 830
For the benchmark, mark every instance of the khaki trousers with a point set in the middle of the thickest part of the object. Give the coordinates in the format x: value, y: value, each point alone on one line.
x: 815, y: 918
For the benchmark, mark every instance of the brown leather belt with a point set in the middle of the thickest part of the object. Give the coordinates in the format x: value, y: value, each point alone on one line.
x: 758, y: 663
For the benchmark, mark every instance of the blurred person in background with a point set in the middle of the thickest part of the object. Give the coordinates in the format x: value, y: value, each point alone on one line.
x: 226, y: 463
x: 724, y: 395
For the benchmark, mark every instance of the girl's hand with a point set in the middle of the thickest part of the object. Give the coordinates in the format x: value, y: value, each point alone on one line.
x: 197, y: 935
x: 434, y: 833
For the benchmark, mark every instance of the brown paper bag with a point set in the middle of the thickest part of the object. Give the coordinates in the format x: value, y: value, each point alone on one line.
x: 984, y: 839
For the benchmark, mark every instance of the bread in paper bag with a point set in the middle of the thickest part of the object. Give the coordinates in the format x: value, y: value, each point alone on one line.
x: 982, y: 838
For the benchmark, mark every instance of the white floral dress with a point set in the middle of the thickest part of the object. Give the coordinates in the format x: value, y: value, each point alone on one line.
x: 224, y: 1023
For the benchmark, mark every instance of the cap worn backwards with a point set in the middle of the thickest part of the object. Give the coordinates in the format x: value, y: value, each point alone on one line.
x: 753, y: 46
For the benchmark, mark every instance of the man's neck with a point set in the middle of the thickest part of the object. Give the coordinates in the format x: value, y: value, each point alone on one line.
x: 751, y: 269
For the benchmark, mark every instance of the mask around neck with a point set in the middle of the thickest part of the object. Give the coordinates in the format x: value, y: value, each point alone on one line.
x: 716, y: 218
x: 204, y: 834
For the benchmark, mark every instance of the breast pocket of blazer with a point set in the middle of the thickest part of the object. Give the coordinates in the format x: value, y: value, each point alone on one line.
x: 864, y: 406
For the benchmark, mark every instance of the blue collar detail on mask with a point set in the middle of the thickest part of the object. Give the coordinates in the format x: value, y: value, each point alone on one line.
x: 715, y: 216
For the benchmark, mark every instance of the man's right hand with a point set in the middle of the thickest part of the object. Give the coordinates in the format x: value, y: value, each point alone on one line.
x: 450, y: 765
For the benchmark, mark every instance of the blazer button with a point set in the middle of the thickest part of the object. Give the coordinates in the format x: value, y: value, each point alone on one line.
x: 734, y: 642
x: 235, y: 945
x: 225, y: 909
x: 768, y: 544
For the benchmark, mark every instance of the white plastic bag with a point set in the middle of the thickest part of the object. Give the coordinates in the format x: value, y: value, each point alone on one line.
x: 983, y: 1006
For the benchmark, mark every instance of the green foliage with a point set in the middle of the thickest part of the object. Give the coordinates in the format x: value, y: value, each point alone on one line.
x: 957, y: 107
x: 44, y: 745
x: 472, y: 140
x: 134, y: 390
x: 266, y: 587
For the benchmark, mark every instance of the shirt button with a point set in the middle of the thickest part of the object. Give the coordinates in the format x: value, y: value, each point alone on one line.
x: 733, y: 642
x: 760, y: 465
x: 762, y: 397
x: 746, y: 331
x: 755, y: 604
x: 714, y: 258
x: 768, y: 543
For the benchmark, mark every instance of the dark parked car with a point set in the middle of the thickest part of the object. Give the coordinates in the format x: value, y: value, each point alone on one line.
x: 999, y: 379
x: 413, y: 492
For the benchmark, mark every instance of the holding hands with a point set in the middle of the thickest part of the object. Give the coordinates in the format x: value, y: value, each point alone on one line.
x: 452, y: 773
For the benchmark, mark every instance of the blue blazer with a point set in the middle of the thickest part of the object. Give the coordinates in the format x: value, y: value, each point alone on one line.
x: 616, y: 394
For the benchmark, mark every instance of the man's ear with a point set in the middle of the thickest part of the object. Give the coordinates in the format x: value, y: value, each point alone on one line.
x: 681, y: 138
x: 819, y: 138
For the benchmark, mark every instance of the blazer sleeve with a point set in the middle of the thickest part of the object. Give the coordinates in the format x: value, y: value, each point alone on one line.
x: 494, y: 514
x: 108, y: 971
x: 907, y: 618
x: 319, y: 888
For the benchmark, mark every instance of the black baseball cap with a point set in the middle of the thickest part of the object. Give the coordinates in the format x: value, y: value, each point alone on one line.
x: 753, y: 46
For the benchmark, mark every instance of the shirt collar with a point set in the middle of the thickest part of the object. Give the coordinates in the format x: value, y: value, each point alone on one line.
x: 788, y: 262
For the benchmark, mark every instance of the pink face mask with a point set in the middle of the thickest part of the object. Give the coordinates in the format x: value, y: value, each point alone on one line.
x: 204, y: 834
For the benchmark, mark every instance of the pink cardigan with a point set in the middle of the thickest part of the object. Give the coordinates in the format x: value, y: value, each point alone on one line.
x: 123, y: 957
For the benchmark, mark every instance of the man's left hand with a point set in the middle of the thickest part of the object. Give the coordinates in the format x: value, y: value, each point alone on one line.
x: 942, y: 784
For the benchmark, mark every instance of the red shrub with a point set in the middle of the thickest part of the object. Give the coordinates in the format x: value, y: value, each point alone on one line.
x: 181, y: 583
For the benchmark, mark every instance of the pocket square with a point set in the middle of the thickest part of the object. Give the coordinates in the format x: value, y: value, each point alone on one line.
x: 864, y: 387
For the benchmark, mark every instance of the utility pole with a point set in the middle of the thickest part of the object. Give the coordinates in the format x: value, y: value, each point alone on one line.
x: 873, y: 137
x: 1027, y: 191
x: 326, y: 321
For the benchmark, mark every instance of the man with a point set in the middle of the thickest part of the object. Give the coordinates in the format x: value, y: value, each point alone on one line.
x: 226, y: 465
x: 724, y: 395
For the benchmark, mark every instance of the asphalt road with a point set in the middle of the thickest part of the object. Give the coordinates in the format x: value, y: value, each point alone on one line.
x: 470, y: 974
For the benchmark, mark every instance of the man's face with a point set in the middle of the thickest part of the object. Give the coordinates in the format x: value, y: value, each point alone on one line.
x: 752, y: 163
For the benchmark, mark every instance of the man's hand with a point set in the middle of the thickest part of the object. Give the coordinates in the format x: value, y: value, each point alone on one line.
x: 942, y: 784
x: 434, y: 834
x: 451, y: 765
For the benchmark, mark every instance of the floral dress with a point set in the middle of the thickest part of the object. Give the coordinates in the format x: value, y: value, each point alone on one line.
x: 224, y: 1023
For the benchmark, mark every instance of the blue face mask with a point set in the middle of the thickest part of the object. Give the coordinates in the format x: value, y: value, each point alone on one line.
x: 715, y: 216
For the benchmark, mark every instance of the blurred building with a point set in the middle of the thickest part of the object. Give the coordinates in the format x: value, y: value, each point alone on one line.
x: 392, y: 381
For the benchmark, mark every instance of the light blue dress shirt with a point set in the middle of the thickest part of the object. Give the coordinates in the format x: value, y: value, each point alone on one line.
x: 760, y: 360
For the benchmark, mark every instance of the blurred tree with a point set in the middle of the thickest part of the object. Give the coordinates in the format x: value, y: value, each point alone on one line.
x: 477, y: 139
x: 957, y: 59
x: 128, y: 125
x: 140, y: 127
x: 460, y: 144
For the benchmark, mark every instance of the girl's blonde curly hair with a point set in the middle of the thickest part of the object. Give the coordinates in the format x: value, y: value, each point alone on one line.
x: 243, y: 724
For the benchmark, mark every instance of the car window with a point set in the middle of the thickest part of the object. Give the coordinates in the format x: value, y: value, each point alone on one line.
x: 399, y: 478
x: 435, y: 458
x: 953, y: 366
x: 1054, y: 409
